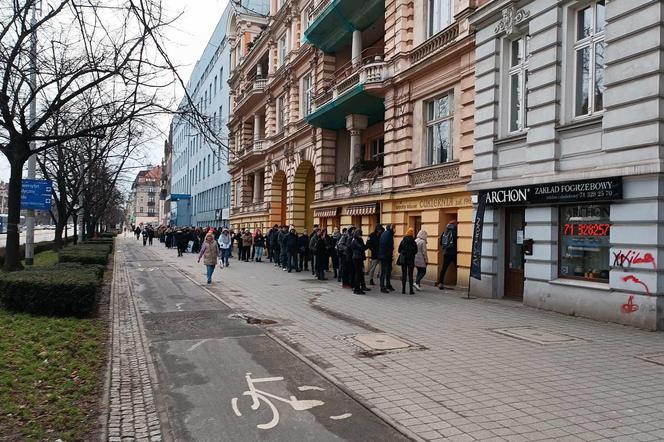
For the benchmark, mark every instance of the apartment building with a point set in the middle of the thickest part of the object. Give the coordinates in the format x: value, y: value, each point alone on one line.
x: 568, y: 156
x: 359, y: 113
x: 200, y: 184
x: 143, y: 203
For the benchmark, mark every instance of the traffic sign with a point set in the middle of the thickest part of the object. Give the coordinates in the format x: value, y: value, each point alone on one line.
x: 36, y: 194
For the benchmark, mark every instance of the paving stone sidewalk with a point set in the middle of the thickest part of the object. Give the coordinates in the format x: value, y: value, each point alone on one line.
x: 465, y: 381
x: 132, y: 412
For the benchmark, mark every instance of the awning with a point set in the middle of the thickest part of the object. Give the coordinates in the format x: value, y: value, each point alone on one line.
x: 364, y: 209
x: 326, y: 213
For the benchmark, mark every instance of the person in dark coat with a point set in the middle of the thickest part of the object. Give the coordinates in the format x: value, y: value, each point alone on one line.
x: 303, y: 251
x: 259, y: 245
x: 348, y: 258
x: 283, y: 256
x: 275, y: 246
x: 359, y: 255
x: 332, y: 247
x: 322, y: 254
x: 385, y: 254
x: 373, y: 243
x: 181, y: 241
x: 407, y: 252
x: 291, y: 250
x: 238, y: 241
x: 312, y: 249
x: 342, y: 246
x: 448, y: 243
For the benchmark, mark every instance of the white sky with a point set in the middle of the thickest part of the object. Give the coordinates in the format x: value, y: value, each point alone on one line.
x: 185, y: 44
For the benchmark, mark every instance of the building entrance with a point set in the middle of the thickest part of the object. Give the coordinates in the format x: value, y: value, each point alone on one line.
x: 514, y: 257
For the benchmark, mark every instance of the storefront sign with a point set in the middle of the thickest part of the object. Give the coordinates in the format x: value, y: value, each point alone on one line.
x: 439, y: 202
x: 602, y: 189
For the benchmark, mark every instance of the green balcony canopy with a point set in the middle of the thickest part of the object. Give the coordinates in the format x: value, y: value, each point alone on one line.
x: 355, y: 101
x: 333, y: 28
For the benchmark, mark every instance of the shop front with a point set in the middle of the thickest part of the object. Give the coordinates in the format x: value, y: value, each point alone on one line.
x: 558, y: 246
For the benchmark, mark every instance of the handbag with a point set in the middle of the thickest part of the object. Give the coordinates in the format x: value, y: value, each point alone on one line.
x: 399, y: 260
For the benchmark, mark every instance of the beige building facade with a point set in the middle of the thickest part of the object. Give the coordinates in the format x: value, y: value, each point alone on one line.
x: 359, y: 113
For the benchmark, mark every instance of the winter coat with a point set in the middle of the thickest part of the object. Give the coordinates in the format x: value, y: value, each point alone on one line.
x: 303, y: 243
x: 407, y: 251
x: 452, y: 229
x: 247, y: 239
x: 332, y: 244
x: 282, y: 239
x: 313, y: 241
x: 322, y: 255
x: 274, y: 239
x: 421, y: 258
x: 209, y: 252
x: 291, y: 243
x: 386, y: 245
x: 358, y: 248
x: 259, y: 240
x: 373, y: 243
x: 224, y: 241
x: 342, y: 245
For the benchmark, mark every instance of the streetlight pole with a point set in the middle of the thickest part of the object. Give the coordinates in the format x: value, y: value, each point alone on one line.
x: 32, y: 161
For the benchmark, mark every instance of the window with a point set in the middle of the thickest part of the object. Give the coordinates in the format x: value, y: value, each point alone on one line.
x: 440, y: 115
x: 589, y: 59
x: 203, y: 169
x: 378, y: 150
x: 307, y: 94
x: 584, y: 244
x: 141, y: 211
x: 205, y: 100
x: 238, y: 194
x: 209, y: 165
x: 440, y: 15
x: 518, y: 78
x: 215, y: 85
x: 281, y: 50
x: 281, y: 114
x: 307, y: 15
x: 210, y: 94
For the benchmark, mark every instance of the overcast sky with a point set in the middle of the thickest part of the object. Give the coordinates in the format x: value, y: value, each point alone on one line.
x: 185, y: 45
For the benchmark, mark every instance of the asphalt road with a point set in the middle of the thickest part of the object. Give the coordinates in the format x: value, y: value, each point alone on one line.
x: 223, y: 379
x: 40, y: 235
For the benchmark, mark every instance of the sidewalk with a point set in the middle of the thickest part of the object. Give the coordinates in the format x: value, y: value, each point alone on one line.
x: 461, y: 379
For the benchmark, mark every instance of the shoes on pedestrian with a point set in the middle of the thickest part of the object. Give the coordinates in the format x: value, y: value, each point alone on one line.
x: 384, y: 290
x: 289, y: 270
x: 412, y: 292
x: 417, y: 286
x: 441, y: 287
x: 403, y: 292
x: 359, y: 292
x: 209, y: 282
x: 366, y: 289
x: 390, y: 288
x: 371, y: 282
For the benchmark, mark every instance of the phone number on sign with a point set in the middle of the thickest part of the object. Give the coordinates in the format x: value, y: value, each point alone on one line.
x: 587, y: 229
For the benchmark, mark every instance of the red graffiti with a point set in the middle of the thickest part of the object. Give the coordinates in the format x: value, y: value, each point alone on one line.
x: 636, y: 280
x: 629, y: 306
x: 626, y: 259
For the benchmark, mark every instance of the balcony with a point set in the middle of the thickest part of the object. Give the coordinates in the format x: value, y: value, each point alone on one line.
x: 252, y: 208
x: 333, y: 22
x: 355, y: 89
x: 437, y: 42
x: 447, y: 173
x: 364, y: 186
x: 251, y: 95
x: 258, y: 147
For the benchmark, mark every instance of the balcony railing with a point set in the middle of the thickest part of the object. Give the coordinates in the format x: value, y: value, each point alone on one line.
x: 365, y: 186
x: 257, y: 86
x: 261, y: 206
x: 318, y: 9
x: 438, y: 174
x: 365, y: 69
x: 442, y: 39
x: 257, y: 147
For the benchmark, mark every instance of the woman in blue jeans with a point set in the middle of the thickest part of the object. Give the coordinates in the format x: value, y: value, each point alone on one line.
x: 225, y: 244
x: 259, y: 245
x: 209, y: 252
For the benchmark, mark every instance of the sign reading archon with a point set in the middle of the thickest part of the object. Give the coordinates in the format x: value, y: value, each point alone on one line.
x: 36, y: 194
x: 601, y: 189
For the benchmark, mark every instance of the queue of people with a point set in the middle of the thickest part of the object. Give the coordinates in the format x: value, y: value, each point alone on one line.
x: 344, y: 255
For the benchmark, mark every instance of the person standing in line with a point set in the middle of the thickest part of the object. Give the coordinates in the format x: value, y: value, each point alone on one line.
x: 303, y: 251
x: 322, y: 256
x: 179, y: 238
x: 332, y: 247
x: 359, y: 255
x: 291, y: 250
x: 448, y: 243
x: 373, y: 242
x: 421, y: 258
x: 385, y: 254
x: 283, y: 241
x: 247, y: 241
x: 150, y: 235
x: 312, y: 250
x: 342, y: 246
x: 407, y: 252
x: 145, y: 236
x: 225, y: 247
x: 209, y: 252
x: 259, y: 245
x: 275, y: 245
x: 238, y: 241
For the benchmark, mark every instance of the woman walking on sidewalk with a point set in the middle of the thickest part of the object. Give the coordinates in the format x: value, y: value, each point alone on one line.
x: 209, y: 252
x: 421, y: 258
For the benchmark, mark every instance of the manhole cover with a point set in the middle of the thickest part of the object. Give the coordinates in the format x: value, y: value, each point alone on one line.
x: 656, y: 358
x: 381, y: 341
x: 535, y: 335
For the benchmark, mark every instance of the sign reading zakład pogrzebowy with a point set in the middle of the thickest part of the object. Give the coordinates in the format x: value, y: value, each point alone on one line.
x: 36, y: 194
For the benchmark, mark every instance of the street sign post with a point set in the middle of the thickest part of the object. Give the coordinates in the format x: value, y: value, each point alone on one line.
x: 36, y: 194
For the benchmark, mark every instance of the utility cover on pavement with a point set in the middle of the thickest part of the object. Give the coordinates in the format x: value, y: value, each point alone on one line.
x: 535, y: 335
x: 381, y: 341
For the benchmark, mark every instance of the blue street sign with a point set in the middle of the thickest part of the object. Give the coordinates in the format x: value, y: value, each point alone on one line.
x: 36, y: 194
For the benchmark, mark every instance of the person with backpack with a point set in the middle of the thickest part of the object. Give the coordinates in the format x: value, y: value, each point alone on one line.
x: 448, y: 244
x: 407, y: 252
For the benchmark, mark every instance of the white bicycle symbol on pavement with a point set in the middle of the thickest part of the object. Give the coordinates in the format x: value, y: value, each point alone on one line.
x: 259, y: 396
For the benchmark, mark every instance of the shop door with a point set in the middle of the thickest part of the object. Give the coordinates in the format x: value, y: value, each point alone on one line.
x: 514, y: 262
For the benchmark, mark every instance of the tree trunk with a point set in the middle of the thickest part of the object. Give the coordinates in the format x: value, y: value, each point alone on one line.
x: 12, y: 247
x: 75, y: 219
x: 59, y: 228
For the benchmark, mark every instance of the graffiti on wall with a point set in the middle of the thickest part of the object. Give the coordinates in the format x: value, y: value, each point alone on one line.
x: 629, y: 306
x: 633, y: 258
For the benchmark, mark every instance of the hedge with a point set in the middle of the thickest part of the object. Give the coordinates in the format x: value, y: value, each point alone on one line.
x: 84, y: 255
x: 61, y: 290
x: 42, y: 246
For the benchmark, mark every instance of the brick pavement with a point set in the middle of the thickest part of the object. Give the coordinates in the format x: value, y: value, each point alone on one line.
x: 132, y: 411
x: 470, y: 383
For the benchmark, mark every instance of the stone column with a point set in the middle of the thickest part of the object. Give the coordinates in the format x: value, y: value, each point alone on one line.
x: 356, y: 49
x: 257, y: 186
x: 356, y: 124
x: 272, y: 60
x: 259, y: 70
x: 257, y: 127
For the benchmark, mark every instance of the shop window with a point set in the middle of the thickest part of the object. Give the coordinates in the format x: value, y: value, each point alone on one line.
x: 584, y: 241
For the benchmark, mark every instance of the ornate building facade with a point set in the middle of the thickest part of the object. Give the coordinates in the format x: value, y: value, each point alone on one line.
x: 347, y: 112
